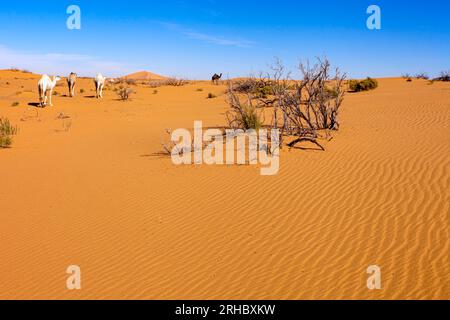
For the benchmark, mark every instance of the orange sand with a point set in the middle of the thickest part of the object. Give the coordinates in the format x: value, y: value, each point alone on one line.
x: 90, y: 191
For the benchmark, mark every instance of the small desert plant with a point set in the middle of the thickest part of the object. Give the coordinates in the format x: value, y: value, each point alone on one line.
x: 82, y: 91
x: 124, y: 93
x: 15, y: 104
x: 264, y: 91
x: 172, y: 147
x: 243, y: 116
x: 211, y: 96
x: 155, y: 91
x: 444, y: 76
x: 246, y: 86
x: 199, y: 90
x: 55, y: 93
x: 363, y: 85
x: 408, y: 77
x: 66, y: 122
x: 331, y: 93
x: 6, y: 132
x: 154, y: 83
x: 19, y: 70
x: 259, y: 88
x: 130, y: 82
x: 62, y: 116
x: 174, y: 82
x: 422, y: 76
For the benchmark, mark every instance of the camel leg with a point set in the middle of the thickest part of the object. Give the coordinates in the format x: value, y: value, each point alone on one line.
x: 41, y: 97
x: 50, y: 98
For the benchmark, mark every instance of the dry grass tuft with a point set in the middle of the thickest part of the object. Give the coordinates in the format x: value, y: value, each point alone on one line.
x: 6, y: 132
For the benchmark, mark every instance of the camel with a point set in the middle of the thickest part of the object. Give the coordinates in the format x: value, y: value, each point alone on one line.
x: 71, y: 80
x: 215, y: 78
x: 46, y: 85
x: 100, y: 82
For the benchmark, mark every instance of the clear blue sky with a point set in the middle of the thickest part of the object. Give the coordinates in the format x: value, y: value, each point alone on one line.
x: 194, y: 39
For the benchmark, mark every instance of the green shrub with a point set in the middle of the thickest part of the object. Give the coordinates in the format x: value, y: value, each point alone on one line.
x: 363, y: 85
x: 124, y: 93
x: 243, y: 116
x: 264, y: 91
x: 6, y: 132
x: 331, y: 93
x: 260, y: 88
x: 247, y: 118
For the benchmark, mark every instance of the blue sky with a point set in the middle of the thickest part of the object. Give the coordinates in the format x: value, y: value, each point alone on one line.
x: 194, y: 39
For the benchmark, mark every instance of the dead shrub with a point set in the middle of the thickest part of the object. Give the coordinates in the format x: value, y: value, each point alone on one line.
x: 176, y: 82
x: 302, y: 110
x: 444, y: 76
x: 422, y: 76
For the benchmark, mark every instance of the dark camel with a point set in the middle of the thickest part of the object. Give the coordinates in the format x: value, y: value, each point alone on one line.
x: 215, y: 78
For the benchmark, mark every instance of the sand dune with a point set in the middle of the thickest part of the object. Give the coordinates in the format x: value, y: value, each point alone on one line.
x: 144, y: 75
x: 95, y: 195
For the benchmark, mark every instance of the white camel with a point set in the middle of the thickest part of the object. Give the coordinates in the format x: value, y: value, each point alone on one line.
x: 46, y: 85
x: 71, y: 80
x: 100, y: 82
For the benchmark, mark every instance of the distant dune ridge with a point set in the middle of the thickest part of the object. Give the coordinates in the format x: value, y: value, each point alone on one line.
x: 144, y: 75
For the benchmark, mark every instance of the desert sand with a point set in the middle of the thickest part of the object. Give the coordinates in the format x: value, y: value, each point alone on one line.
x: 91, y: 190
